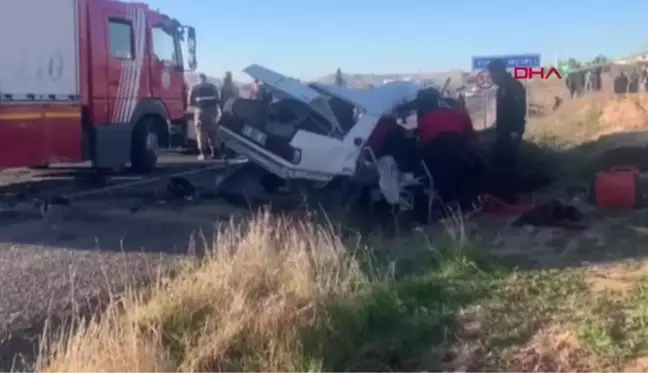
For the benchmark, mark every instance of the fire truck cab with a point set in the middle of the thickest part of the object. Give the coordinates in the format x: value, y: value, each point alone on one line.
x: 98, y: 80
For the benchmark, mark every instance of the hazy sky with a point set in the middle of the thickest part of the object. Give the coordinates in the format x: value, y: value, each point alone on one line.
x: 311, y: 38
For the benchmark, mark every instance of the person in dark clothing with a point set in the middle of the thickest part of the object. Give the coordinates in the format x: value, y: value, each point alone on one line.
x: 621, y: 83
x: 581, y: 78
x: 572, y: 84
x: 633, y: 81
x: 205, y: 100
x: 228, y: 89
x: 644, y: 78
x: 447, y: 146
x: 510, y: 121
x: 596, y: 79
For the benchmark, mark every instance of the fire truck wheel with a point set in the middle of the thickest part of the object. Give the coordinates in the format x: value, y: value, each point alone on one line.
x: 144, y: 147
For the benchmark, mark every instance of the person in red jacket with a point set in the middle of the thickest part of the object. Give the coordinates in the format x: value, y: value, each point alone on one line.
x: 447, y: 146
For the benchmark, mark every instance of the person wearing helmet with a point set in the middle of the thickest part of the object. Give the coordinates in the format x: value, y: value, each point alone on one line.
x: 510, y: 120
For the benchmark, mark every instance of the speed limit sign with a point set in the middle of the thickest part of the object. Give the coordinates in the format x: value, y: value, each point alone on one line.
x: 483, y: 80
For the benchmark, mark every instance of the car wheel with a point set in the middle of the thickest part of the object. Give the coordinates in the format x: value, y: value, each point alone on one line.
x: 145, y: 146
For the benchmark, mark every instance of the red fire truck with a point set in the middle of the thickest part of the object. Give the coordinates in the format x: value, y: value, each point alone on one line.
x: 98, y: 80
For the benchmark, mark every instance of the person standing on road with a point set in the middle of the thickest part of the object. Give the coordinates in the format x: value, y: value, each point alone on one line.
x: 228, y: 90
x: 510, y: 121
x: 205, y: 100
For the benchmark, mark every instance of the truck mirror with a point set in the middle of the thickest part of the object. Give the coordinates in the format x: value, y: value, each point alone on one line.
x: 191, y: 48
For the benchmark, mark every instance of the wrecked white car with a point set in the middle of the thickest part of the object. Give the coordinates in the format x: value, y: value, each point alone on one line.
x: 298, y: 143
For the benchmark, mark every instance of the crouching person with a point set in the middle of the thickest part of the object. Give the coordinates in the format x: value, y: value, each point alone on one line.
x: 447, y: 143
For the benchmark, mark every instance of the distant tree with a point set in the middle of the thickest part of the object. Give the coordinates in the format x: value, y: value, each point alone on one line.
x: 339, y: 77
x: 574, y: 63
x: 600, y: 59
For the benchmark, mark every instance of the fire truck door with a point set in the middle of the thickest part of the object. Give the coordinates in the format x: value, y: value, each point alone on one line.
x: 124, y: 58
x: 167, y: 76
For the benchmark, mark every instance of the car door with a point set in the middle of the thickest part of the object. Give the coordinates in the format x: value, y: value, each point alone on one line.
x: 167, y: 75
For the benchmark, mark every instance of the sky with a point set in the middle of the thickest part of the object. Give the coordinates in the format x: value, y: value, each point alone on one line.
x: 309, y: 38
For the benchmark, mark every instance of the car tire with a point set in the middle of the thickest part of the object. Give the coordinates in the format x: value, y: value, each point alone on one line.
x: 144, y: 146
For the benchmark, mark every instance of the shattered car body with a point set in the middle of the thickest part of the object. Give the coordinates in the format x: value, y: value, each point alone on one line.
x: 298, y: 137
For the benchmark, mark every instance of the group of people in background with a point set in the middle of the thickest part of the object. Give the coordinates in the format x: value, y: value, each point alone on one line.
x: 631, y: 83
x: 589, y: 80
x: 582, y: 81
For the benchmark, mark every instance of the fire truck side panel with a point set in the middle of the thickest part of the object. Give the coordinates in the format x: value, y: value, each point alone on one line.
x: 22, y: 138
x: 39, y: 83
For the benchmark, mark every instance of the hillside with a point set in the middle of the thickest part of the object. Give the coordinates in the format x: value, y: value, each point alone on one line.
x: 458, y: 77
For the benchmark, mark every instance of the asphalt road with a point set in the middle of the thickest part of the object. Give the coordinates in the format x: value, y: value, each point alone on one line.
x: 49, y: 265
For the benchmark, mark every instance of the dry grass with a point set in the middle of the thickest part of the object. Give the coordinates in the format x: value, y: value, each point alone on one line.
x: 245, y: 307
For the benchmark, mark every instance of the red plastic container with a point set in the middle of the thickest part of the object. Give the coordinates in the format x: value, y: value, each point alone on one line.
x: 617, y: 188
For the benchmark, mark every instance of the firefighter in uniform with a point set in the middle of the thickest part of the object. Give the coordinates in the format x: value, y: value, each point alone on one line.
x: 205, y: 100
x: 510, y: 120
